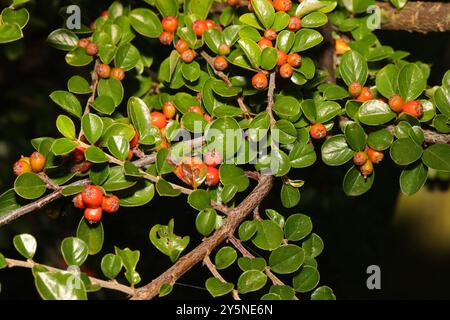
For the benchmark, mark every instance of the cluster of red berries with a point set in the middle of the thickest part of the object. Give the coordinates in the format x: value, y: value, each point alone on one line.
x: 94, y: 202
x: 91, y: 48
x: 105, y: 71
x: 170, y: 25
x: 359, y: 92
x: 34, y: 163
x: 193, y: 171
x: 413, y: 108
x: 366, y: 159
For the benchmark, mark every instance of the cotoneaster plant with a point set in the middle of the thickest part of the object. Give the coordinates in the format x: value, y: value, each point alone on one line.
x: 232, y: 96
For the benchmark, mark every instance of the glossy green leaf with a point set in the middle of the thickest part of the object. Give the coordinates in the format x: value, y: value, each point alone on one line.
x: 335, y: 151
x: 247, y: 230
x: 306, y: 39
x: 380, y: 139
x: 437, y: 157
x: 313, y: 245
x: 225, y: 257
x: 387, y: 81
x: 412, y: 179
x: 355, y: 184
x: 52, y: 285
x: 246, y: 264
x: 297, y: 227
x: 251, y: 280
x: 355, y: 136
x: 92, y: 126
x: 251, y: 50
x: 411, y: 82
x: 353, y: 68
x: 74, y: 251
x: 306, y: 280
x: 375, y: 112
x: 206, y: 221
x: 290, y: 196
x: 92, y: 235
x: 302, y: 155
x: 217, y: 288
x: 111, y: 265
x: 66, y: 126
x: 63, y: 39
x: 324, y: 292
x: 405, y: 151
x: 268, y: 235
x: 67, y: 101
x: 286, y: 259
x: 29, y: 186
x: 146, y: 22
x: 78, y: 85
x: 25, y: 244
x: 200, y: 8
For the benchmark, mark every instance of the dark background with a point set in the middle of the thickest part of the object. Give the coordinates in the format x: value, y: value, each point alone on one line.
x: 357, y: 232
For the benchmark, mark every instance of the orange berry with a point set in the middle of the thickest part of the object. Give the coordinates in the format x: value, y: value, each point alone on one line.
x: 104, y: 14
x: 103, y: 70
x: 197, y: 109
x: 170, y: 24
x: 281, y: 57
x: 118, y: 73
x: 212, y: 176
x: 210, y: 24
x: 286, y: 71
x: 366, y: 169
x: 92, y: 196
x: 181, y: 46
x: 188, y: 55
x: 375, y: 156
x: 282, y: 5
x: 318, y: 131
x: 355, y: 89
x: 135, y: 141
x: 158, y: 119
x: 78, y: 201
x: 93, y: 215
x: 213, y: 158
x: 20, y: 167
x: 91, y: 49
x: 294, y: 59
x: 259, y: 81
x: 208, y: 118
x: 413, y: 108
x: 341, y: 46
x: 264, y: 43
x: 366, y: 95
x: 78, y: 154
x: 270, y: 34
x: 37, y: 161
x: 199, y: 27
x: 233, y: 3
x: 83, y: 42
x: 110, y: 204
x: 294, y: 24
x: 360, y: 158
x: 220, y: 63
x: 166, y: 38
x: 224, y: 49
x: 169, y: 109
x: 396, y: 103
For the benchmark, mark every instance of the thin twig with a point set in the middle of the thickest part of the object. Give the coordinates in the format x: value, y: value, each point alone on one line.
x: 212, y: 268
x: 48, y: 182
x: 113, y: 285
x: 94, y: 84
x: 270, y: 99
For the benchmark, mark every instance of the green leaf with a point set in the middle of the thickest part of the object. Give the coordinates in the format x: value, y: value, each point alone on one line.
x: 355, y: 184
x: 285, y: 40
x: 306, y: 280
x: 200, y: 8
x: 314, y: 20
x: 206, y: 221
x: 375, y: 112
x: 117, y: 180
x: 19, y: 16
x: 92, y: 235
x: 437, y: 157
x: 251, y: 280
x: 127, y: 56
x: 353, y: 68
x: 29, y: 186
x: 138, y: 195
x: 194, y: 122
x: 264, y: 11
x: 63, y: 39
x: 140, y: 116
x: 387, y: 81
x: 119, y: 147
x: 286, y: 259
x: 411, y: 82
x: 95, y: 155
x: 213, y: 39
x: 335, y: 151
x: 306, y: 39
x: 225, y: 257
x: 441, y: 99
x: 9, y: 201
x: 111, y: 265
x: 217, y: 288
x: 302, y: 155
x: 165, y: 290
x: 10, y: 32
x: 66, y: 126
x: 251, y: 264
x: 74, y: 251
x: 268, y: 58
x: 92, y: 126
x: 279, y: 163
x: 52, y: 285
x: 78, y: 85
x: 413, y: 179
x: 63, y: 146
x: 146, y: 22
x: 25, y: 244
x: 281, y: 21
x: 324, y: 292
x: 164, y: 188
x: 380, y: 140
x: 268, y: 235
x: 78, y: 58
x: 313, y: 245
x: 290, y: 196
x: 228, y: 192
x: 68, y: 102
x: 200, y: 199
x: 283, y: 291
x: 3, y: 263
x: 247, y: 230
x: 111, y: 88
x: 130, y: 259
x: 327, y: 110
x: 163, y: 238
x: 355, y: 136
x: 231, y: 174
x: 297, y: 227
x: 286, y: 106
x: 251, y: 50
x: 167, y: 7
x: 191, y: 71
x: 405, y: 151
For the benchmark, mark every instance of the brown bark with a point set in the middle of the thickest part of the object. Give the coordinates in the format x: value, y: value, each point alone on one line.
x: 235, y: 217
x: 416, y: 16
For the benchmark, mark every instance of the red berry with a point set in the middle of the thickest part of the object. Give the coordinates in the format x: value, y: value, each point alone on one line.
x: 92, y: 196
x: 286, y: 71
x: 135, y: 141
x: 181, y: 46
x: 318, y: 131
x: 169, y: 109
x: 78, y: 154
x: 78, y: 201
x: 360, y: 158
x: 158, y: 119
x: 294, y: 24
x: 170, y: 24
x: 210, y: 24
x: 270, y: 34
x: 208, y: 118
x: 213, y: 158
x: 188, y: 55
x: 233, y: 3
x: 375, y: 156
x: 110, y: 204
x: 294, y: 59
x: 20, y: 167
x: 103, y: 70
x: 281, y: 58
x: 413, y: 108
x: 130, y: 155
x: 366, y: 169
x: 264, y: 43
x: 282, y: 5
x: 93, y: 214
x: 212, y: 176
x: 104, y: 14
x: 91, y: 49
x: 220, y: 63
x: 197, y: 109
x: 118, y: 73
x: 166, y: 38
x: 259, y: 81
x: 199, y: 27
x: 83, y: 42
x: 396, y: 103
x: 366, y: 95
x: 37, y: 161
x: 224, y: 49
x: 355, y: 89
